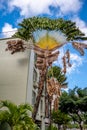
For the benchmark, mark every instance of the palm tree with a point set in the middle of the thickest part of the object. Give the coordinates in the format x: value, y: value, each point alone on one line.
x: 56, y: 72
x: 16, y: 116
x: 56, y: 81
x: 47, y: 44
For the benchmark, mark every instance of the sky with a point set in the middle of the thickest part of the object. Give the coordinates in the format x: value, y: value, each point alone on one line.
x: 14, y: 11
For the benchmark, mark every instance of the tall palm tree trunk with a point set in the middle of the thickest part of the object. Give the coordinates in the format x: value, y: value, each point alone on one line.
x: 40, y: 90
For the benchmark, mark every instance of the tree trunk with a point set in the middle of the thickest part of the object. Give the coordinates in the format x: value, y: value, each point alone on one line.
x: 80, y: 126
x: 59, y: 127
x: 64, y: 127
x: 80, y: 122
x: 40, y: 90
x: 12, y: 127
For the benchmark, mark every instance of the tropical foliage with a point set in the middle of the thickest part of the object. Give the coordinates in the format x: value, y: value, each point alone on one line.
x: 56, y: 72
x: 47, y: 53
x: 51, y: 127
x: 61, y: 119
x: 56, y: 80
x: 17, y: 117
x: 74, y: 103
x: 28, y: 26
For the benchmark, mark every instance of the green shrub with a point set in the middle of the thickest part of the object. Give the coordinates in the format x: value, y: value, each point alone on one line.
x: 52, y: 128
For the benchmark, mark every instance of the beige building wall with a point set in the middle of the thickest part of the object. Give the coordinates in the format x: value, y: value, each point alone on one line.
x: 17, y: 82
x: 13, y: 74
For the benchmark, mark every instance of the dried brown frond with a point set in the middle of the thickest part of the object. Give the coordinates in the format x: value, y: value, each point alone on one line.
x: 68, y: 58
x: 15, y: 46
x: 64, y: 63
x: 79, y: 47
x: 56, y: 103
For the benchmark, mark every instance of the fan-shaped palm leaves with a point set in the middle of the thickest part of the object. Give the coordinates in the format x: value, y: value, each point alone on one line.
x: 16, y: 116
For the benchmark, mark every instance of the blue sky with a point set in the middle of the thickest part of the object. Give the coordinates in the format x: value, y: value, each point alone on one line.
x: 13, y: 11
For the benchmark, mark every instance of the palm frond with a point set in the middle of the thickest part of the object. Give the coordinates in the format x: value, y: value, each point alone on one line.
x: 8, y: 105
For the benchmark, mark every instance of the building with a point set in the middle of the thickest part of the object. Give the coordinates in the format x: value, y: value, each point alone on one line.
x: 19, y: 79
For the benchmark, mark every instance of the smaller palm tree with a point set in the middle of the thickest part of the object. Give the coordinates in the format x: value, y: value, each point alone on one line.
x: 56, y: 72
x: 16, y: 116
x: 56, y: 81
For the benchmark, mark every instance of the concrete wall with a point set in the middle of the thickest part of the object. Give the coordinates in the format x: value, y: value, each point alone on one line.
x: 30, y: 78
x: 13, y: 74
x: 16, y: 78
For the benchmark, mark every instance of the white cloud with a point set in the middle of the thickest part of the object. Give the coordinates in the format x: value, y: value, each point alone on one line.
x: 76, y: 61
x: 8, y: 30
x: 81, y: 24
x: 36, y: 7
x: 31, y: 7
x: 68, y: 6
